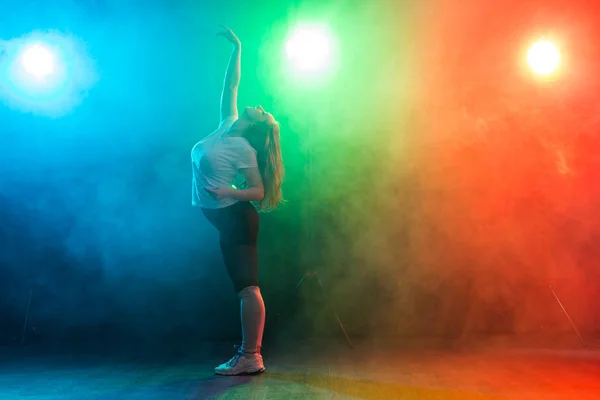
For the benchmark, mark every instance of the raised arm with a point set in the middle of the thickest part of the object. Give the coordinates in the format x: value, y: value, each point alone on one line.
x: 232, y: 76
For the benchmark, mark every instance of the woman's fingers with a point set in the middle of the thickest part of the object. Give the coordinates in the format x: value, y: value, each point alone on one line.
x: 225, y: 28
x: 228, y: 34
x: 225, y: 31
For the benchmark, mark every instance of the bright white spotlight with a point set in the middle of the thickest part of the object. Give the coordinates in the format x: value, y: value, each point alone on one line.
x: 544, y: 58
x: 310, y: 49
x: 38, y: 61
x: 45, y: 73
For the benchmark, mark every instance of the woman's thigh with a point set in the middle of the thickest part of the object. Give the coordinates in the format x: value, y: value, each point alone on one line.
x: 238, y: 229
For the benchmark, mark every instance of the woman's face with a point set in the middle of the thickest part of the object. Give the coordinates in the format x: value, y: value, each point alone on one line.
x: 257, y: 114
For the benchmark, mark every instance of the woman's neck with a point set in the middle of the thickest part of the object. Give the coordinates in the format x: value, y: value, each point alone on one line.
x: 238, y: 128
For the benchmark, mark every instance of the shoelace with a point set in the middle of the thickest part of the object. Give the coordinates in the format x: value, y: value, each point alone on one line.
x: 236, y: 358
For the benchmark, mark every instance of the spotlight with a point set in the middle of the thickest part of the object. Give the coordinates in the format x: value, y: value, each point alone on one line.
x: 310, y: 49
x: 46, y: 73
x: 544, y: 58
x: 38, y: 61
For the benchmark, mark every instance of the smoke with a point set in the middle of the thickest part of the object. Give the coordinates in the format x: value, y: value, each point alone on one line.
x: 96, y: 187
x: 451, y: 188
x: 432, y: 185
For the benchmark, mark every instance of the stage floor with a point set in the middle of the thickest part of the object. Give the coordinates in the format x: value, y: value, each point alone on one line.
x: 420, y: 370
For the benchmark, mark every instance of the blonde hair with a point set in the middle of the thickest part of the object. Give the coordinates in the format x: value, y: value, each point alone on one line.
x: 264, y: 138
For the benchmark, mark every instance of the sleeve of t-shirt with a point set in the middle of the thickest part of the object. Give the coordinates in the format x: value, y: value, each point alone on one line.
x: 246, y: 155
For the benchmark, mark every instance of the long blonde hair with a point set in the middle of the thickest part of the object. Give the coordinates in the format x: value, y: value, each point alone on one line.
x: 264, y: 138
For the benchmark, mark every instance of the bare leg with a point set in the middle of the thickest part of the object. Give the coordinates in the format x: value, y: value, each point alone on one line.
x: 252, y: 309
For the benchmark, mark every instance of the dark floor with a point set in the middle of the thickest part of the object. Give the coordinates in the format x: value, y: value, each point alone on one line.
x: 381, y: 369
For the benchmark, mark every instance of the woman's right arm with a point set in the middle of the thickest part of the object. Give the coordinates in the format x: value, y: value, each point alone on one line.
x: 232, y: 75
x: 255, y: 190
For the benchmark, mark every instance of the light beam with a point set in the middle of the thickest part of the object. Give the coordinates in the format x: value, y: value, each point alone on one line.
x: 544, y: 58
x: 310, y: 49
x: 38, y: 61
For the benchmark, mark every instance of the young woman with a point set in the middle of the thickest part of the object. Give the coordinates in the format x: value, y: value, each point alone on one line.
x: 244, y: 152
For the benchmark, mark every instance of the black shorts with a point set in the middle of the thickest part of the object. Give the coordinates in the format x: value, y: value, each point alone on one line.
x: 238, y: 232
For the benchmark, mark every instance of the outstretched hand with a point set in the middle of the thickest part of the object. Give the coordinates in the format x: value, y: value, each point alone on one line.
x: 229, y: 35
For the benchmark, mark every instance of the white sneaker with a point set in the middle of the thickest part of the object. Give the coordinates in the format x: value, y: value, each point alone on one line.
x: 242, y: 364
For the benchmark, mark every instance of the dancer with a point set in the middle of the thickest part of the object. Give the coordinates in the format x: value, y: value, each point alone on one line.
x: 237, y: 169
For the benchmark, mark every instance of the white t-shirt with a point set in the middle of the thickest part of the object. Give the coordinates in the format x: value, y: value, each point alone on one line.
x: 216, y: 162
